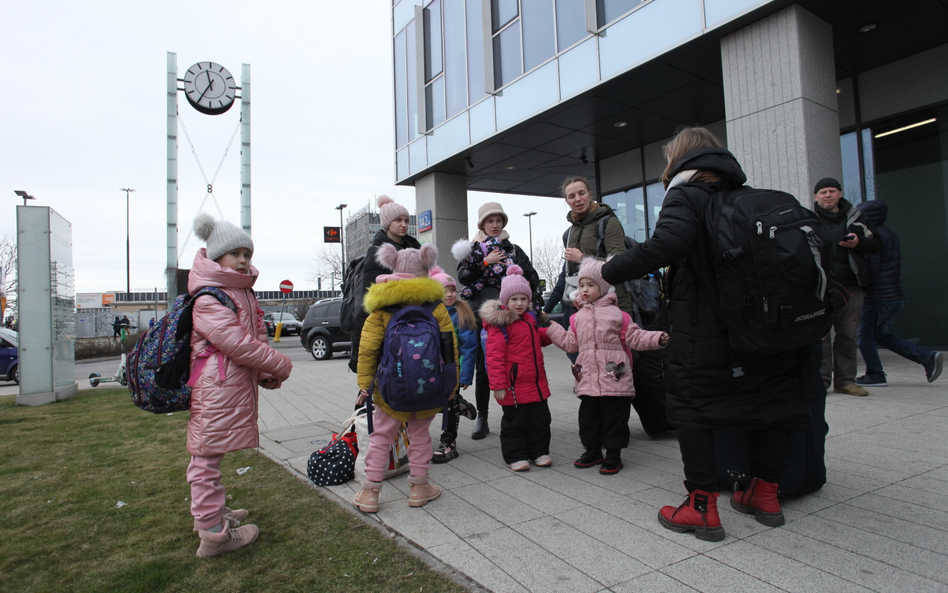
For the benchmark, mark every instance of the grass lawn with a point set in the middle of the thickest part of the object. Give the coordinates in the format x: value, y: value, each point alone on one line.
x: 65, y: 466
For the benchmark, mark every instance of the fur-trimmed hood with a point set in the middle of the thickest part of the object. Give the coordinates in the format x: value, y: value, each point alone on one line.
x: 493, y: 313
x: 413, y: 291
x: 461, y: 249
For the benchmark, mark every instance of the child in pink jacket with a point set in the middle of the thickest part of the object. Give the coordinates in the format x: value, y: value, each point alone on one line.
x: 230, y: 358
x: 603, y: 369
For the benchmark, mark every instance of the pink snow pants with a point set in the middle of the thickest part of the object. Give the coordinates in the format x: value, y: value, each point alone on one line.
x: 380, y: 442
x: 207, y: 492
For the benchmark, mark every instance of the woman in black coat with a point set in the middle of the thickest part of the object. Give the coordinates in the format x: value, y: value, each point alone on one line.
x: 710, y: 385
x: 491, y: 220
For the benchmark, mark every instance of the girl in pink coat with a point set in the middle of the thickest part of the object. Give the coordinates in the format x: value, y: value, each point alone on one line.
x: 230, y: 358
x: 603, y: 335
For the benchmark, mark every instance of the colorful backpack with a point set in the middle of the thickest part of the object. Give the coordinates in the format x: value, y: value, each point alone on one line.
x: 417, y: 369
x: 158, y: 366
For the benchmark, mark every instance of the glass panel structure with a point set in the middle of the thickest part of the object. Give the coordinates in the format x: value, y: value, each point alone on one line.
x: 609, y: 10
x: 570, y: 23
x: 401, y: 92
x: 411, y: 80
x: 507, y: 61
x: 475, y: 52
x: 433, y: 62
x: 539, y: 40
x: 502, y: 12
x: 455, y: 67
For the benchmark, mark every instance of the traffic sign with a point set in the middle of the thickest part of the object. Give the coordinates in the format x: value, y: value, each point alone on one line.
x: 332, y: 234
x: 286, y: 287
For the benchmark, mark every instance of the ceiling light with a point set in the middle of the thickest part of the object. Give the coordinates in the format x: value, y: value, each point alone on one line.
x: 867, y: 27
x: 620, y: 124
x: 510, y: 167
x: 908, y: 127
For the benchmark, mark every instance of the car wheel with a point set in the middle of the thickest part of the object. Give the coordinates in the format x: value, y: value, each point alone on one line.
x: 16, y: 374
x: 320, y: 348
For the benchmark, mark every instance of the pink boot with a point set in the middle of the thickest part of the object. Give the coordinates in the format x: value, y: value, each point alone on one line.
x: 421, y: 492
x: 227, y: 540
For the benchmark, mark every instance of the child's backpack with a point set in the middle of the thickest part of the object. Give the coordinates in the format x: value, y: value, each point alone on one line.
x: 772, y: 260
x: 353, y: 291
x: 158, y: 366
x: 417, y: 369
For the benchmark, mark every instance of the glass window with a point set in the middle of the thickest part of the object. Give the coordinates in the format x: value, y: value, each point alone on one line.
x: 539, y: 41
x: 654, y: 196
x: 411, y: 81
x: 455, y: 71
x: 609, y: 10
x: 852, y: 182
x: 507, y: 62
x: 334, y: 309
x: 502, y: 12
x: 869, y: 164
x: 475, y: 52
x: 433, y: 62
x: 629, y: 207
x: 570, y: 23
x: 434, y: 100
x: 401, y: 91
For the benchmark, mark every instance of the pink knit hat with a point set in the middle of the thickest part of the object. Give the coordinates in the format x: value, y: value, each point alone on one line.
x: 389, y: 211
x: 441, y: 276
x: 591, y: 268
x: 405, y: 263
x: 514, y: 283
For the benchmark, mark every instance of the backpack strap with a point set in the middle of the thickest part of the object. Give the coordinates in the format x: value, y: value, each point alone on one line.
x: 601, y: 236
x: 814, y: 241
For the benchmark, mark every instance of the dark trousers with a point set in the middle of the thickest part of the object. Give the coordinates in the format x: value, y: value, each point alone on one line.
x: 875, y: 329
x: 450, y: 433
x: 482, y: 394
x: 768, y: 457
x: 525, y: 431
x: 604, y: 421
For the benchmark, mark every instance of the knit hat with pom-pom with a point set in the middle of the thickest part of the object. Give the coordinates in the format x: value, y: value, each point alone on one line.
x: 441, y: 276
x: 591, y: 268
x: 405, y: 263
x: 389, y: 211
x: 221, y: 236
x: 514, y: 283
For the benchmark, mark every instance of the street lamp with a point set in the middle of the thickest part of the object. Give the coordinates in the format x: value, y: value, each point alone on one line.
x: 128, y: 250
x: 342, y: 242
x: 23, y: 195
x: 529, y: 216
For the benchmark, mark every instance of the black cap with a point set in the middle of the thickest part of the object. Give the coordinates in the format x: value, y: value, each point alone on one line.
x: 826, y: 182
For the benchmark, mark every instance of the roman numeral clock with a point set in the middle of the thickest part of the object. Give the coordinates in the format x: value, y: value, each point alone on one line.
x: 209, y: 88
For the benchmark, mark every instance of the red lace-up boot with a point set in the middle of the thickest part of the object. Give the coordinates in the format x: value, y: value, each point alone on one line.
x: 699, y: 513
x: 760, y: 498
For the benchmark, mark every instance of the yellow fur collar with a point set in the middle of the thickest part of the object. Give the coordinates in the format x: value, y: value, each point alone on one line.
x: 415, y: 291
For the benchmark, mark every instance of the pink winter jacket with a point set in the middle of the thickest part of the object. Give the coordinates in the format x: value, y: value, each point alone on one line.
x: 602, y: 367
x: 224, y: 398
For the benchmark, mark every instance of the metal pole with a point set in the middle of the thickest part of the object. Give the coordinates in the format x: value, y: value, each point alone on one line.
x: 529, y: 216
x: 245, y: 148
x: 171, y: 265
x: 342, y: 242
x: 128, y: 249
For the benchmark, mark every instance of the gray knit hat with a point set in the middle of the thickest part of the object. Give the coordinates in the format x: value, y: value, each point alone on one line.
x: 489, y: 209
x: 220, y: 235
x: 389, y: 210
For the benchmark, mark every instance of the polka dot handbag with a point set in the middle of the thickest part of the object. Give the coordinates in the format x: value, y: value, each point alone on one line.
x: 334, y: 464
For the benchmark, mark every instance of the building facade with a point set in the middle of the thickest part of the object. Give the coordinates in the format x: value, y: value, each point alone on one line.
x: 511, y: 96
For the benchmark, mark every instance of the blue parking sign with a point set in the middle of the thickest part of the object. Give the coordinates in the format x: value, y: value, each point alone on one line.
x: 424, y: 221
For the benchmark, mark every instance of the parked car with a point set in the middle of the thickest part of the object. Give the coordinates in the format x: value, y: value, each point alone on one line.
x: 322, y: 334
x: 291, y: 325
x: 9, y: 355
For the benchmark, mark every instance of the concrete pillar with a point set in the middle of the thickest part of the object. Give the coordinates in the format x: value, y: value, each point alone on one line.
x: 780, y: 101
x: 446, y: 196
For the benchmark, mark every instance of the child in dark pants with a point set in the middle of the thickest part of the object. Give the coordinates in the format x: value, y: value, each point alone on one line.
x: 604, y: 336
x: 516, y: 374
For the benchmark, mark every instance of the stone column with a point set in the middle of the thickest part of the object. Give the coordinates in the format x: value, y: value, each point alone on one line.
x: 780, y: 101
x: 446, y: 196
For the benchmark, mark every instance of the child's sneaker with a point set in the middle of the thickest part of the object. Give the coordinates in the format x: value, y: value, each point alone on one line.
x: 520, y: 466
x: 445, y: 453
x: 466, y: 408
x: 226, y: 540
x: 612, y: 463
x: 589, y: 458
x: 543, y: 461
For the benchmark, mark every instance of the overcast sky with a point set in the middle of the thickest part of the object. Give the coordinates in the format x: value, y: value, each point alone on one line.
x: 84, y: 97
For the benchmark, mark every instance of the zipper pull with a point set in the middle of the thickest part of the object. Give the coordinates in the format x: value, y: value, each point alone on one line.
x: 766, y: 306
x: 773, y: 231
x: 760, y: 228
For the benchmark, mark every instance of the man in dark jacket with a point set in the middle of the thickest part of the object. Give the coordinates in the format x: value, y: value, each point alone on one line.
x: 854, y: 238
x: 884, y: 300
x: 394, y: 219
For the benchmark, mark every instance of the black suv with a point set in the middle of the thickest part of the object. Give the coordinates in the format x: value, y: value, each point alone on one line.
x: 322, y: 334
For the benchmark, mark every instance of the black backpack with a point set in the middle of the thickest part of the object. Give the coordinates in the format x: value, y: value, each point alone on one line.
x: 771, y: 259
x: 353, y: 291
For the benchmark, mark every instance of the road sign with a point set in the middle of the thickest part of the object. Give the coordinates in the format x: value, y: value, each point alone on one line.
x: 424, y: 221
x: 286, y: 287
x: 332, y: 234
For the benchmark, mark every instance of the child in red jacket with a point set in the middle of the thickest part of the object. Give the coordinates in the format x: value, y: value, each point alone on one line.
x: 516, y: 374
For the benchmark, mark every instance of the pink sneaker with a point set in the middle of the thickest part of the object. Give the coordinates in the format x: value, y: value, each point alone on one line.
x: 543, y: 461
x: 520, y: 466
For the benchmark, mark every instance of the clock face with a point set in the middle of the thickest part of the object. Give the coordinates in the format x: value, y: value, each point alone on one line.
x: 209, y: 88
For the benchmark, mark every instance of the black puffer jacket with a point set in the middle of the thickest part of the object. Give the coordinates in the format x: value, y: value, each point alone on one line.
x: 849, y: 265
x: 710, y: 385
x: 885, y: 267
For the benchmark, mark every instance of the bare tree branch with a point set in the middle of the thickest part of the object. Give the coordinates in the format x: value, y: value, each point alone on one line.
x: 548, y: 260
x: 328, y: 266
x: 8, y: 256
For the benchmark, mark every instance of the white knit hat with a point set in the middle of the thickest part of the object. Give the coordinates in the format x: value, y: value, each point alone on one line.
x: 389, y: 211
x: 221, y: 236
x: 489, y: 209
